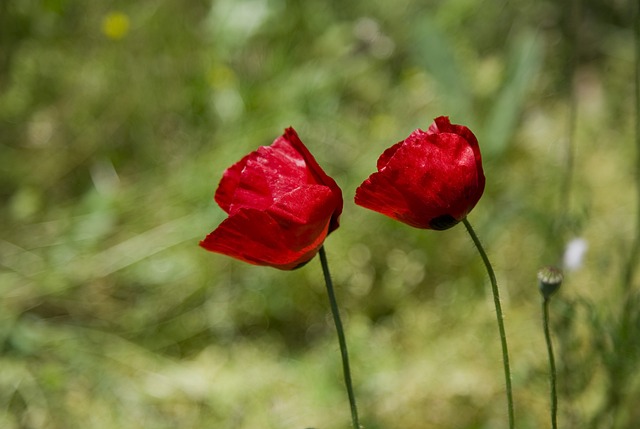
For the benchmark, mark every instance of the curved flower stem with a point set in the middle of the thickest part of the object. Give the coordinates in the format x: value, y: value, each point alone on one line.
x: 552, y: 364
x: 341, y: 338
x: 499, y: 316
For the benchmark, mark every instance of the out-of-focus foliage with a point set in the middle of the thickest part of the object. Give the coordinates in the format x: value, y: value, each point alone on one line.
x: 118, y: 118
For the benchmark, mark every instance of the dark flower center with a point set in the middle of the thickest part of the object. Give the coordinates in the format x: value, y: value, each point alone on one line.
x: 300, y: 265
x: 443, y: 222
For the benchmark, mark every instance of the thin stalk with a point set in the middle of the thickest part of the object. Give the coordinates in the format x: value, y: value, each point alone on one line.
x: 552, y: 364
x: 499, y: 316
x: 341, y: 338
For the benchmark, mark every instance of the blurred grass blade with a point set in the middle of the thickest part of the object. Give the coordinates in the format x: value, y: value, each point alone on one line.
x: 525, y: 56
x: 20, y: 260
x: 142, y: 246
x: 433, y: 51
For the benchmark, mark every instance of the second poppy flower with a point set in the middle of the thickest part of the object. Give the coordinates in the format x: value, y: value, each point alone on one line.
x: 281, y: 206
x: 429, y: 180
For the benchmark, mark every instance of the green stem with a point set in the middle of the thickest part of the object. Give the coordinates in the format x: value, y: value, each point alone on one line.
x: 499, y: 316
x: 552, y: 364
x: 341, y: 338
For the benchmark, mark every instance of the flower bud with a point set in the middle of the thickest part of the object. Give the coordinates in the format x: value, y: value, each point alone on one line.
x: 549, y: 280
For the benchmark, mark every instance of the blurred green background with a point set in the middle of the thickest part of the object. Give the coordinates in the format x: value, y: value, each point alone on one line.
x: 118, y: 118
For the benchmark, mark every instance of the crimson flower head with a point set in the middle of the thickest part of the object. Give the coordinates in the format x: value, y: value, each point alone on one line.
x: 281, y: 206
x: 429, y: 180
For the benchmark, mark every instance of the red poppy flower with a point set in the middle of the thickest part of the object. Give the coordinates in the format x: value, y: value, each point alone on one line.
x: 430, y: 180
x: 281, y: 206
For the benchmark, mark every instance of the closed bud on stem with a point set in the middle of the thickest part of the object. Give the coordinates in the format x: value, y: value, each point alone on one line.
x: 549, y: 280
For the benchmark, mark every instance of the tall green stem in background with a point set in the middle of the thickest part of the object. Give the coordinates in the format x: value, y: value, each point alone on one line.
x: 549, y: 281
x: 573, y: 19
x: 499, y: 316
x: 552, y: 364
x: 635, y: 249
x: 341, y: 338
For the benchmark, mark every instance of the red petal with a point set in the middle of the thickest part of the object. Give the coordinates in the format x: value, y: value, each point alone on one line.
x: 229, y: 183
x: 318, y: 173
x: 268, y: 173
x: 379, y: 193
x: 442, y: 125
x: 430, y: 175
x: 261, y: 177
x: 285, y: 236
x: 281, y: 206
x: 387, y: 154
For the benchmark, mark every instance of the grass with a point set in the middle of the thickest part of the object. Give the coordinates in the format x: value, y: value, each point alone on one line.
x: 116, y: 122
